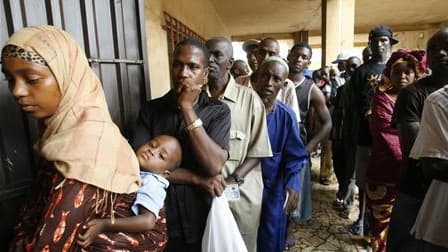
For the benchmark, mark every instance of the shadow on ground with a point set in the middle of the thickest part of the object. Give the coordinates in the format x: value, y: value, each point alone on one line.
x: 326, y: 231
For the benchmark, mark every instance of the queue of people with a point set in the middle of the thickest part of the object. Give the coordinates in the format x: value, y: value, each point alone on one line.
x: 377, y: 114
x: 221, y: 125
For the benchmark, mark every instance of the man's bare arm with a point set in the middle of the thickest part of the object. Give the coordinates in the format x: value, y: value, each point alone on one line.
x: 323, y: 114
x: 213, y: 185
x: 248, y: 165
x: 208, y: 153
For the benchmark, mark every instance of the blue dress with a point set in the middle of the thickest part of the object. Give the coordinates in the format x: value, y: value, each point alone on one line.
x: 279, y: 172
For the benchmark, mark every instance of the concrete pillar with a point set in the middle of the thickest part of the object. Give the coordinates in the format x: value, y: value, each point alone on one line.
x: 338, y: 27
x: 300, y: 36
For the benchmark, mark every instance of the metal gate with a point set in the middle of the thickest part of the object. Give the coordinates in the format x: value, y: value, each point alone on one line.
x: 112, y: 32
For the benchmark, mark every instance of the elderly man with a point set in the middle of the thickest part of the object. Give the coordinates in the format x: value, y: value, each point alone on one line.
x: 363, y: 82
x: 249, y: 140
x: 407, y: 115
x: 270, y: 47
x: 280, y: 171
x: 202, y: 127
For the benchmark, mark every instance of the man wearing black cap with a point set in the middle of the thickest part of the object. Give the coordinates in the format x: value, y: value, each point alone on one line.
x: 362, y: 85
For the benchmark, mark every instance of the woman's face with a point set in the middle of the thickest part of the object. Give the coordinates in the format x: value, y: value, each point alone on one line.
x: 402, y: 74
x: 33, y: 86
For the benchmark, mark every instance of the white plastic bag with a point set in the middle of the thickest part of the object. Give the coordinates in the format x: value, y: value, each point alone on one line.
x: 432, y: 219
x: 221, y: 232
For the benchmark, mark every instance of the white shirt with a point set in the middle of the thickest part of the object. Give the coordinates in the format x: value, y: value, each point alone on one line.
x: 432, y: 138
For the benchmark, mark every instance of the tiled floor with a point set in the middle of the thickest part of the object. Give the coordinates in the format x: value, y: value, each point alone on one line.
x: 326, y: 231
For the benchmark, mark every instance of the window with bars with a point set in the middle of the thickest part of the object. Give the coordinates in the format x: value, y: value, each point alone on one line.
x: 177, y: 31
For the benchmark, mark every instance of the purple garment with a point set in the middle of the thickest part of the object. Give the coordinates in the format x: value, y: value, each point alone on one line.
x: 279, y: 172
x: 385, y: 159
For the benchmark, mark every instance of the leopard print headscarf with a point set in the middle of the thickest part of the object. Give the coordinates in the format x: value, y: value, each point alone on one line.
x: 18, y: 52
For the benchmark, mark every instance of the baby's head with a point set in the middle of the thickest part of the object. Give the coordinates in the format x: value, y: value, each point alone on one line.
x: 160, y: 155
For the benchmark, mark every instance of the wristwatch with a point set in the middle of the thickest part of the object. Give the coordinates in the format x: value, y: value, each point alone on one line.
x: 239, y: 180
x: 196, y: 124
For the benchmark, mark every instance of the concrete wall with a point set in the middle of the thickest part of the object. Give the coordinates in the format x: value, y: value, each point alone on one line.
x: 198, y: 15
x: 414, y: 39
x: 159, y: 74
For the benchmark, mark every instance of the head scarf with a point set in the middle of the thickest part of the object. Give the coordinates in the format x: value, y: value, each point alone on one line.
x: 416, y: 59
x: 12, y: 51
x: 80, y: 138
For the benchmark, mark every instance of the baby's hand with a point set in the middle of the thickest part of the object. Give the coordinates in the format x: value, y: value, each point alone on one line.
x: 93, y: 229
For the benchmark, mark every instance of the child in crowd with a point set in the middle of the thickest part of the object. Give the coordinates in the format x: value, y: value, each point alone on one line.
x: 157, y: 159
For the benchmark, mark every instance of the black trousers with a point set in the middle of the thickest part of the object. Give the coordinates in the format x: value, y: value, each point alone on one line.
x: 179, y: 245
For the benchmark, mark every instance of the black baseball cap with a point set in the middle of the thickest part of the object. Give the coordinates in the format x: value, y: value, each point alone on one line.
x: 382, y: 30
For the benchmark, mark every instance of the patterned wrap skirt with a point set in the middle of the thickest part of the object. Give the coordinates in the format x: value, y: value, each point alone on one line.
x: 58, y: 208
x: 380, y: 199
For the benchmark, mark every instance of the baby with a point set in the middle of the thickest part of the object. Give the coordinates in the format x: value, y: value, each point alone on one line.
x: 157, y: 159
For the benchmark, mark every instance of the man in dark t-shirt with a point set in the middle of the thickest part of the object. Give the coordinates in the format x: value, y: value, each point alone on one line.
x: 407, y: 114
x: 343, y: 156
x: 363, y: 82
x: 408, y: 110
x: 202, y: 127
